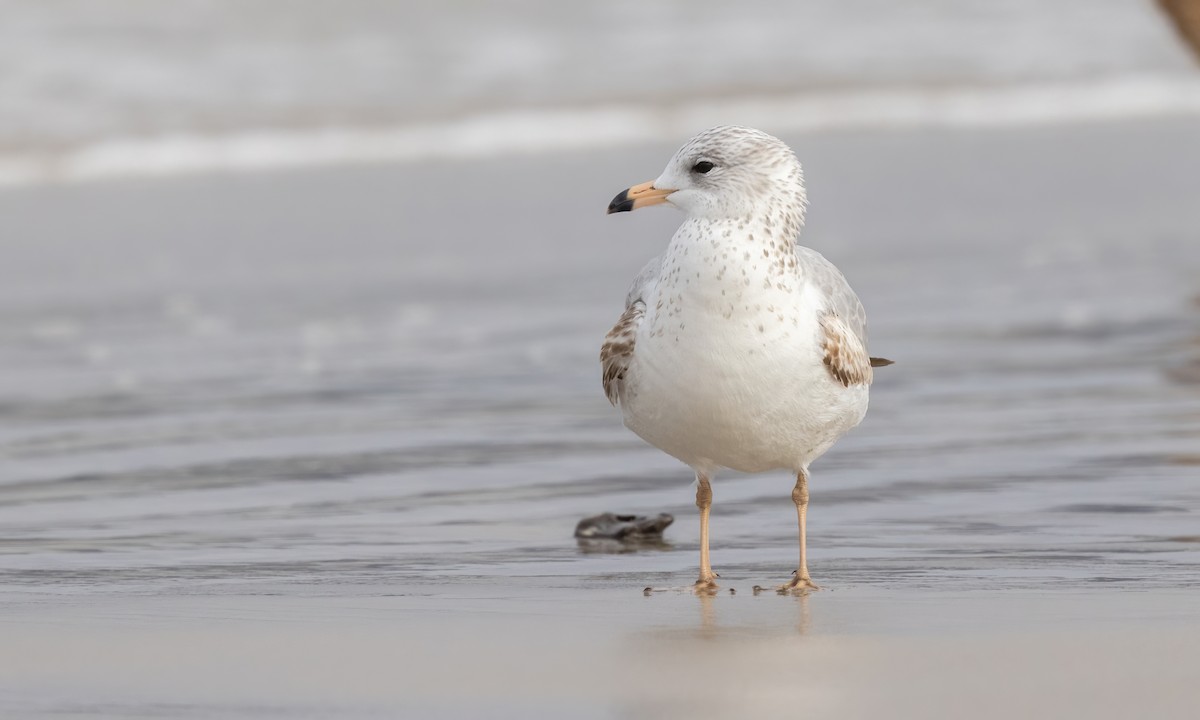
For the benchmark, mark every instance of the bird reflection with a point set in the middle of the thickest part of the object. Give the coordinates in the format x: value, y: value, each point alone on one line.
x: 609, y: 546
x: 803, y: 613
x: 708, y: 626
x: 708, y: 615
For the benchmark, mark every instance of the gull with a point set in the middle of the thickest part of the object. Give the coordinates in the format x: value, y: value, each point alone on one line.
x: 738, y: 347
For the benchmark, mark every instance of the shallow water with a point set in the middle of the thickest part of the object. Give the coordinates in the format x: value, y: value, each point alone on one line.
x: 78, y: 71
x: 103, y: 88
x: 332, y: 376
x: 289, y: 398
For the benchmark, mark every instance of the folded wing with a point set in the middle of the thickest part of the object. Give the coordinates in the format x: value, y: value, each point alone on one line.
x: 617, y: 351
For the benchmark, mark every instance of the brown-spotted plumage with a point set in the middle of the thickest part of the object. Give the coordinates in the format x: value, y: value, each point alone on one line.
x: 844, y: 353
x: 738, y: 348
x: 617, y: 350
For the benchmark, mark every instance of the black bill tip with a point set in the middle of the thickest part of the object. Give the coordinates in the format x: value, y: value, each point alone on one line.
x: 621, y: 203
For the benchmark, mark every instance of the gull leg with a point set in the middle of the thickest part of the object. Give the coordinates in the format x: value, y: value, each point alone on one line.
x: 801, y: 583
x: 706, y: 583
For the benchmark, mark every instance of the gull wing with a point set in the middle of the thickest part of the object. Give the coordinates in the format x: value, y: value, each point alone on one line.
x: 617, y: 351
x: 845, y: 355
x: 844, y: 326
x: 840, y: 297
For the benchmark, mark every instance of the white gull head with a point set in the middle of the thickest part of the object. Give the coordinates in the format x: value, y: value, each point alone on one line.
x: 725, y: 173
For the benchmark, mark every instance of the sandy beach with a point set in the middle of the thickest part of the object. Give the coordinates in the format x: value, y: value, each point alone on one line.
x: 530, y: 648
x: 312, y: 444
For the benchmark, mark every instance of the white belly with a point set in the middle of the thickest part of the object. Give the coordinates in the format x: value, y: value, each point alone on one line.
x: 728, y: 372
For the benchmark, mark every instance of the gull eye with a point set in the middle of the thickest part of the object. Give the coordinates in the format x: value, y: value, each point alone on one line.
x: 702, y: 167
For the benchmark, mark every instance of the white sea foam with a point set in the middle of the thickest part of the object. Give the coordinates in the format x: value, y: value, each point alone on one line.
x: 547, y: 130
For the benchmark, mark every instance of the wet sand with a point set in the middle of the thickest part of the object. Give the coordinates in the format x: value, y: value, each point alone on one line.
x: 510, y: 649
x: 313, y: 444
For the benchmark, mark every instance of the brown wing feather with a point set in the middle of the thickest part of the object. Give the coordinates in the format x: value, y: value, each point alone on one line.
x: 845, y: 355
x: 617, y: 350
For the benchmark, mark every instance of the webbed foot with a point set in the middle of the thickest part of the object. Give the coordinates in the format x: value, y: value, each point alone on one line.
x: 703, y: 586
x: 800, y: 584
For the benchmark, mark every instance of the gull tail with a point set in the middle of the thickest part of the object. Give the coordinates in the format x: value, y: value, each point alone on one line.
x: 881, y: 362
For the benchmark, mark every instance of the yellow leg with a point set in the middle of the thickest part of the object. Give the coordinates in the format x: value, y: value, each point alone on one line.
x: 706, y: 583
x: 801, y: 582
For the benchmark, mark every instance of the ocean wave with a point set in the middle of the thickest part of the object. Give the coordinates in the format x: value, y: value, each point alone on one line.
x: 604, y: 126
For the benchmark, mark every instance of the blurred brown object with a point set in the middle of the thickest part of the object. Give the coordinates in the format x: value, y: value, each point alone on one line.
x: 1186, y: 16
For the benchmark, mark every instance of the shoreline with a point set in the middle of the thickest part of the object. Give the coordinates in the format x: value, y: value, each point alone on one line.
x: 312, y: 445
x: 596, y: 128
x: 512, y: 650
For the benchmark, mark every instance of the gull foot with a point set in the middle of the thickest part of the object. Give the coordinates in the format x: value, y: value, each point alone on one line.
x: 703, y: 586
x: 801, y: 584
x: 706, y: 585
